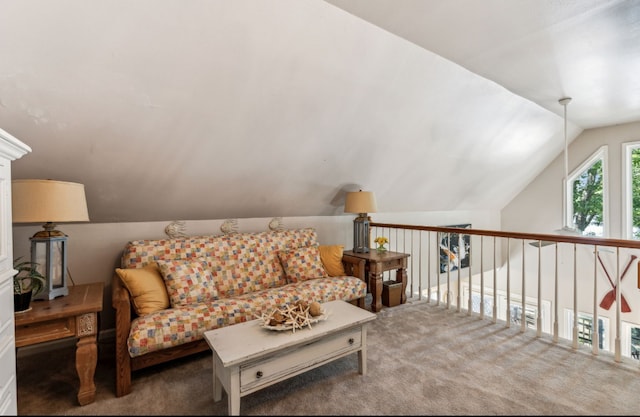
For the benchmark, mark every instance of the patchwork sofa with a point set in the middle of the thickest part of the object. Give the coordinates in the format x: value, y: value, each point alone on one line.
x: 168, y: 292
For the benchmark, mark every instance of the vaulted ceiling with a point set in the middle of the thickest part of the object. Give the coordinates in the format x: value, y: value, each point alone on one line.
x: 188, y: 110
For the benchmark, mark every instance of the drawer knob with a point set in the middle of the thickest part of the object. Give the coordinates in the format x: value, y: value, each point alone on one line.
x: 351, y: 341
x: 259, y: 374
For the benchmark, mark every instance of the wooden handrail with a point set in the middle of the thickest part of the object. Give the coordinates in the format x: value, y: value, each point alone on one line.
x: 583, y: 240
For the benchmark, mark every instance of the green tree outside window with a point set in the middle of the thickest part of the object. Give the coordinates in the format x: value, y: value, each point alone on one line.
x: 588, y: 198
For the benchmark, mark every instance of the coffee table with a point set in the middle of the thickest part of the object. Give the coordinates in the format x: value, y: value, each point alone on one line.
x: 248, y: 357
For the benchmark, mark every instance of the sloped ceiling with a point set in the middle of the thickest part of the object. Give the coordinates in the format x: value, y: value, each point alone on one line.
x: 189, y: 110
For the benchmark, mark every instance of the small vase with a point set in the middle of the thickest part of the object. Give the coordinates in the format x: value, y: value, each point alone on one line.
x: 381, y: 249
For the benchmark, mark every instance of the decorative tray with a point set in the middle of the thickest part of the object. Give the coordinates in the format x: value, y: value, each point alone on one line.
x: 293, y: 316
x: 281, y: 327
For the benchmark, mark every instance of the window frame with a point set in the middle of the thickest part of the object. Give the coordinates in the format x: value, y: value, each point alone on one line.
x: 600, y: 154
x: 627, y: 198
x: 605, y: 329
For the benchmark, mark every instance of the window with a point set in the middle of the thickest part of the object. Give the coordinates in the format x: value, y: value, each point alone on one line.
x: 515, y: 307
x: 488, y: 304
x: 587, y: 193
x: 586, y: 329
x: 631, y: 187
x: 630, y: 340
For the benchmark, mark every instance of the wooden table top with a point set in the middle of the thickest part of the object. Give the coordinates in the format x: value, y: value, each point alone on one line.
x: 374, y: 255
x: 82, y: 298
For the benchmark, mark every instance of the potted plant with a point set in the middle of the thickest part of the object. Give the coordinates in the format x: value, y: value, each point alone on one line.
x: 27, y: 282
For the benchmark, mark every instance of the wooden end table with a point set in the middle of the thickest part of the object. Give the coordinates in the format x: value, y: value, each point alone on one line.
x: 375, y: 264
x: 73, y: 315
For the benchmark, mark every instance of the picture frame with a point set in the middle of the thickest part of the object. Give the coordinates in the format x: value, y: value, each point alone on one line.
x: 456, y: 253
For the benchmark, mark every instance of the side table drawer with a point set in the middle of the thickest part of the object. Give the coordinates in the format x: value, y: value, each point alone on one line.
x: 279, y: 366
x: 392, y: 264
x: 30, y: 334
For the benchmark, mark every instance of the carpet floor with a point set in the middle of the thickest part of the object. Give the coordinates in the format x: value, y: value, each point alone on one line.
x: 422, y: 360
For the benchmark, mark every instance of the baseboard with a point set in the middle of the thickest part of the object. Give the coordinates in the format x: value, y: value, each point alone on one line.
x: 104, y: 337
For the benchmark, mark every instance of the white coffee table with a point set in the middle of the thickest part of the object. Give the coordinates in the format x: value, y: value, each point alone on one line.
x: 247, y: 357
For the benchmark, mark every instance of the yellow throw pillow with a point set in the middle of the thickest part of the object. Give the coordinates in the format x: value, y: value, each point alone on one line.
x: 331, y: 257
x: 146, y: 287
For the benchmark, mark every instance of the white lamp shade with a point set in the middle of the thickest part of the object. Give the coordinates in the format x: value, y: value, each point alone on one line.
x: 42, y: 201
x: 360, y: 202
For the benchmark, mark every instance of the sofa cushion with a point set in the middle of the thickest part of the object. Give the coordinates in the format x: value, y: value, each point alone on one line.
x: 234, y: 277
x: 331, y: 257
x: 302, y: 263
x: 187, y: 281
x: 182, y: 324
x: 147, y: 289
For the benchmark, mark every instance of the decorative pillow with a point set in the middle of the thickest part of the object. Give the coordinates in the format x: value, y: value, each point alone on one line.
x: 331, y: 257
x: 146, y: 287
x: 187, y: 281
x: 302, y: 264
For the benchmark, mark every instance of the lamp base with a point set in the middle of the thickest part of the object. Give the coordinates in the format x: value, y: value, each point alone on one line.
x: 361, y: 233
x: 54, y: 293
x: 361, y: 250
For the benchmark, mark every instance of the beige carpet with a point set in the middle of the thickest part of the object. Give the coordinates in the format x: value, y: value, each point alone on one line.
x: 422, y: 360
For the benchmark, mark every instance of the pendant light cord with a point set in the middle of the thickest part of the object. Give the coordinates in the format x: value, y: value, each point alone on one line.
x: 564, y: 102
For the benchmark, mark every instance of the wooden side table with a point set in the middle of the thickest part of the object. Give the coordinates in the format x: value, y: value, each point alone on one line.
x: 73, y: 315
x: 375, y: 264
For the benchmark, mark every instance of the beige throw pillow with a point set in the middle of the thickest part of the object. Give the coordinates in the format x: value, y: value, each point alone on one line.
x: 302, y: 264
x: 188, y: 281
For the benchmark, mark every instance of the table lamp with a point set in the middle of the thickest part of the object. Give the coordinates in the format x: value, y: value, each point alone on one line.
x: 49, y: 202
x: 361, y: 202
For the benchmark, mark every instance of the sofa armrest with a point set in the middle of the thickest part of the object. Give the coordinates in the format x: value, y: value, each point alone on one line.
x: 121, y: 302
x: 354, y: 266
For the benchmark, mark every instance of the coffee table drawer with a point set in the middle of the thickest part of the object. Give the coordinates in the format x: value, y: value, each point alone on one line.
x: 300, y: 358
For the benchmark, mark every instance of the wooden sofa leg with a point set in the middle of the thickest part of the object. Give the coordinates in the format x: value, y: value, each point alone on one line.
x: 123, y: 371
x: 123, y: 380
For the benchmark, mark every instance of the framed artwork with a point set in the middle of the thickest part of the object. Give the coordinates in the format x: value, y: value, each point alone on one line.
x: 455, y: 249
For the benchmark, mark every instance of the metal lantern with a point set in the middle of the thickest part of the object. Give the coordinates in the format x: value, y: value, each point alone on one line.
x: 49, y: 252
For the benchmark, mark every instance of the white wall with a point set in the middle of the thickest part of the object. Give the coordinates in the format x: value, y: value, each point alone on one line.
x: 538, y: 208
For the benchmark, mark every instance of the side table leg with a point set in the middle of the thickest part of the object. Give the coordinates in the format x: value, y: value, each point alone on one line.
x: 234, y: 392
x: 375, y: 280
x: 401, y: 276
x: 86, y: 361
x: 362, y: 353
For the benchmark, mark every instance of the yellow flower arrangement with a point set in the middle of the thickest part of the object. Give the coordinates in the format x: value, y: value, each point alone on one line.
x: 381, y: 241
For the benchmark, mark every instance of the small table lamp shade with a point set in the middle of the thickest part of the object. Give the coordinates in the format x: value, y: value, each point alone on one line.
x: 361, y: 202
x: 49, y: 202
x: 43, y: 201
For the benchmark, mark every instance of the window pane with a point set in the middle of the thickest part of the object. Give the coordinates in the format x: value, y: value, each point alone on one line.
x: 588, y: 200
x: 635, y: 192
